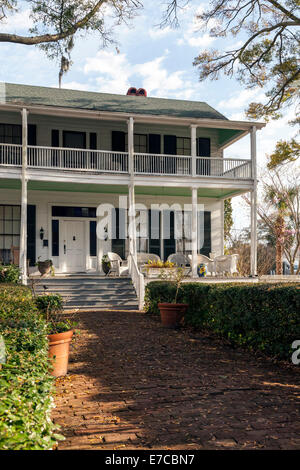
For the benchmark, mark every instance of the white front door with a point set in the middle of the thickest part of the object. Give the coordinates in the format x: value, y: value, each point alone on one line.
x: 74, y: 246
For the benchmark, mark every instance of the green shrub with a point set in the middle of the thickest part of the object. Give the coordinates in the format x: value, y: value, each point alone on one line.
x: 49, y: 303
x: 9, y: 273
x: 262, y: 317
x: 25, y: 383
x: 51, y: 307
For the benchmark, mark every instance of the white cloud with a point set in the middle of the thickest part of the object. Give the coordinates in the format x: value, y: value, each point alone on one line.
x: 115, y: 74
x: 241, y: 99
x: 158, y: 33
x: 114, y: 70
x: 197, y: 41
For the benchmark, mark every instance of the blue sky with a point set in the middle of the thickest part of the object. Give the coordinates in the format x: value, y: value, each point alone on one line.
x: 148, y: 57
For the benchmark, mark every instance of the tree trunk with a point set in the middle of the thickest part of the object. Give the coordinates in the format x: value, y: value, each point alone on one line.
x: 280, y: 226
x: 279, y: 253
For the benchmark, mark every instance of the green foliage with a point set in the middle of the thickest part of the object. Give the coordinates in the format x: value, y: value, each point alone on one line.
x: 285, y: 152
x: 262, y: 317
x: 25, y: 384
x: 51, y: 303
x: 9, y: 273
x: 51, y: 306
x: 228, y: 220
x: 266, y: 57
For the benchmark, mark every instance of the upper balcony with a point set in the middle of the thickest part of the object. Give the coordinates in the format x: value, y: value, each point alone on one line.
x: 109, y: 162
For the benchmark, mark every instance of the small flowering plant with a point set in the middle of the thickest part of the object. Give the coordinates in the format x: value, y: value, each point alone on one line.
x: 160, y: 264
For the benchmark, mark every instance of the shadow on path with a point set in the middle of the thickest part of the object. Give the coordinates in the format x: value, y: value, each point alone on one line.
x: 135, y: 385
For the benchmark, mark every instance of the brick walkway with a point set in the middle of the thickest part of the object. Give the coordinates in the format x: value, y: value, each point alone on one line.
x: 134, y: 385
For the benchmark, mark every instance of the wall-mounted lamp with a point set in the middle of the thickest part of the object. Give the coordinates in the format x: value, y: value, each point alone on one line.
x: 42, y: 233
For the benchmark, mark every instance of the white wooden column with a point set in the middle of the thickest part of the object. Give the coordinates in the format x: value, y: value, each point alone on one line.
x: 23, y: 231
x: 194, y: 231
x: 222, y: 229
x: 194, y: 148
x: 253, y: 264
x: 130, y: 124
x: 131, y: 190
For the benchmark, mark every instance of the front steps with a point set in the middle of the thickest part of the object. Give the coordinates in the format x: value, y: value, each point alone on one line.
x: 90, y: 293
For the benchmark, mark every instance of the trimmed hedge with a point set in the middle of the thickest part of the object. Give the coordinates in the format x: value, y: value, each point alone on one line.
x: 10, y: 274
x: 25, y: 383
x: 263, y: 317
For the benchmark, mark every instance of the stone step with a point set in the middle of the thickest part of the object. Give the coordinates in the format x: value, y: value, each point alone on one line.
x: 91, y: 293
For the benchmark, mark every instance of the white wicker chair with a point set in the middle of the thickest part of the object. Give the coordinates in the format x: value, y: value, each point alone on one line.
x: 118, y: 266
x: 143, y: 258
x: 210, y: 263
x: 226, y: 264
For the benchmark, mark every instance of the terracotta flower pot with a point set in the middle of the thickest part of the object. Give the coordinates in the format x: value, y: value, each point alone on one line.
x: 59, y: 344
x: 171, y: 314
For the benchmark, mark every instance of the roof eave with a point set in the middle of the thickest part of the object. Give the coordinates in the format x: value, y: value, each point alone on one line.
x: 141, y: 118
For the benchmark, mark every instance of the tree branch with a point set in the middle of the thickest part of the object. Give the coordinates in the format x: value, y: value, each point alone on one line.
x: 46, y: 38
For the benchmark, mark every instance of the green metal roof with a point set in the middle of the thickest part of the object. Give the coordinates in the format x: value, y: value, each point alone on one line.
x: 86, y: 100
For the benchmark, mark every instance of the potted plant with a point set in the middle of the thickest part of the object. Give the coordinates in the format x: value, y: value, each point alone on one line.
x: 155, y: 268
x: 171, y: 313
x: 60, y: 331
x: 106, y: 265
x: 45, y: 267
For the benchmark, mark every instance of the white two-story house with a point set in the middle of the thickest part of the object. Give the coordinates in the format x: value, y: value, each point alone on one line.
x: 65, y: 152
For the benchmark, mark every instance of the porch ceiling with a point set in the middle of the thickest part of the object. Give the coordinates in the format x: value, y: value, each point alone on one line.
x: 216, y: 193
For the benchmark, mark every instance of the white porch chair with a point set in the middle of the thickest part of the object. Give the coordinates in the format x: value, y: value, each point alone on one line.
x: 143, y: 258
x: 210, y: 263
x: 118, y: 266
x: 181, y: 260
x: 226, y: 264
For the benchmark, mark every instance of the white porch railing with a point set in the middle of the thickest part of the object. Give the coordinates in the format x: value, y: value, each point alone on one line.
x: 162, y: 164
x: 223, y: 167
x: 137, y: 280
x: 104, y: 161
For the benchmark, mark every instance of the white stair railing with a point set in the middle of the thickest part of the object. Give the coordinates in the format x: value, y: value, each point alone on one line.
x: 137, y: 280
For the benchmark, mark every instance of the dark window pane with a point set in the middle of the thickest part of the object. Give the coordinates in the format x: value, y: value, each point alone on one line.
x: 206, y: 238
x: 170, y: 144
x: 118, y: 141
x: 93, y: 141
x: 63, y: 211
x: 93, y: 238
x: 31, y: 234
x: 55, y: 138
x: 55, y: 238
x: 203, y: 147
x: 31, y: 134
x: 154, y: 143
x: 74, y: 139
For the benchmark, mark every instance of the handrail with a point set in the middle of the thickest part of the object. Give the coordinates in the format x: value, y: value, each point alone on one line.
x: 137, y: 280
x: 107, y: 161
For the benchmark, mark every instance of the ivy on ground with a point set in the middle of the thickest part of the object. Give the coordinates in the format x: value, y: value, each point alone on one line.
x: 26, y: 386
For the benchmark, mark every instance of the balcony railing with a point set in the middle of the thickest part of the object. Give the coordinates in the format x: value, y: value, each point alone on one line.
x: 105, y: 161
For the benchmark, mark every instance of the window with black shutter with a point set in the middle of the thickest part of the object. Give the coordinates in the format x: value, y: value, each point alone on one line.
x: 31, y: 234
x: 31, y: 134
x: 204, y: 236
x: 55, y: 237
x: 118, y: 240
x: 154, y: 231
x: 203, y: 150
x: 93, y: 146
x: 118, y: 141
x: 93, y: 238
x: 55, y: 138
